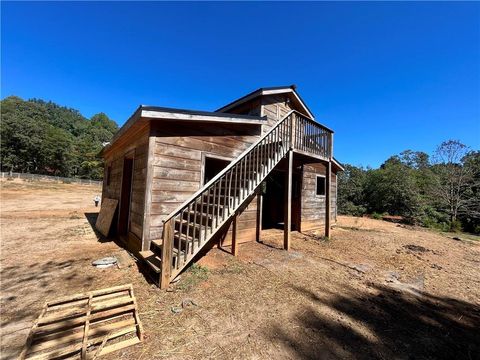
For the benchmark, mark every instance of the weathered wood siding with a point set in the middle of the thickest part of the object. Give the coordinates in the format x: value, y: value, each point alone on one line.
x: 137, y: 144
x: 247, y: 223
x: 312, y: 205
x: 275, y: 108
x: 178, y: 162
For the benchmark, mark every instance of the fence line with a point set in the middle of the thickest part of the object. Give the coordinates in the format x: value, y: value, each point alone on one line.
x: 26, y: 176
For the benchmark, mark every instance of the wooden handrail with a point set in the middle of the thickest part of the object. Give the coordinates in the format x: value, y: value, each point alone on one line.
x: 239, y: 158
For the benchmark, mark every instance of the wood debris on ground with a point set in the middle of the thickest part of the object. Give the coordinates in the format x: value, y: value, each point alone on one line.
x: 85, y: 325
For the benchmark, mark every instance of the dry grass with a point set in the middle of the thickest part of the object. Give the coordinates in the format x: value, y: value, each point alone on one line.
x: 368, y: 292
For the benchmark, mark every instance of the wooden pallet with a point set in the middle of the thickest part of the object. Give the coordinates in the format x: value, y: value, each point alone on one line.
x: 85, y: 325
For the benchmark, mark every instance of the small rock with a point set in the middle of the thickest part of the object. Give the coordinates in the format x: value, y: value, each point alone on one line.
x: 105, y: 262
x: 188, y: 302
x: 456, y: 238
x: 176, y: 309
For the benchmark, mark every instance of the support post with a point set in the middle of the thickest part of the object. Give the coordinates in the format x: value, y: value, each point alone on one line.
x: 234, y: 236
x: 328, y: 198
x: 287, y: 222
x: 167, y: 254
x: 259, y: 216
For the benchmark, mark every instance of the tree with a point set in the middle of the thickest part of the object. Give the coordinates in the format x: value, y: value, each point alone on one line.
x: 471, y: 213
x: 45, y: 138
x: 392, y: 189
x: 351, y: 183
x: 452, y: 178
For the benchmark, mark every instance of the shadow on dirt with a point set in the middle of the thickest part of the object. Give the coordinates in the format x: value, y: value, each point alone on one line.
x: 15, y: 279
x: 92, y: 219
x: 392, y: 325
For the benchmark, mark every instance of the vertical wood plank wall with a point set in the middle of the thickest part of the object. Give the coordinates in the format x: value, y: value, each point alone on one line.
x: 274, y: 108
x: 136, y: 144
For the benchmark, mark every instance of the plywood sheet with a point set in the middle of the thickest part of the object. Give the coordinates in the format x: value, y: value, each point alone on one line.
x: 105, y: 217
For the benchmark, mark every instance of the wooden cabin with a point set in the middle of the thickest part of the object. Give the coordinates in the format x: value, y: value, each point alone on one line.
x: 184, y: 179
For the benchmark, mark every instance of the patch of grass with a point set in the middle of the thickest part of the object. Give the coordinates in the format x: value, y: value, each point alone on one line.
x: 193, y: 276
x: 354, y: 228
x: 461, y: 236
x: 377, y: 216
x: 233, y: 267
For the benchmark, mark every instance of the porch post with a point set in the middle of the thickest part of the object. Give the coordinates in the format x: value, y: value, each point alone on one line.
x: 234, y: 236
x: 259, y: 216
x: 167, y: 254
x: 328, y: 198
x: 287, y: 222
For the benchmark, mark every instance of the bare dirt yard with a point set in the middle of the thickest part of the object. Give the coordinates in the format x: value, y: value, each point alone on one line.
x: 375, y: 290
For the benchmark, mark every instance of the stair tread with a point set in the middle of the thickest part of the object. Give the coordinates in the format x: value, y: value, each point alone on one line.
x: 187, y: 222
x: 153, y: 260
x: 159, y: 244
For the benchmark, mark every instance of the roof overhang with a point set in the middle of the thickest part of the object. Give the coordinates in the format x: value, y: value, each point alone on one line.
x: 154, y: 112
x: 269, y: 91
x: 146, y: 113
x: 337, y: 165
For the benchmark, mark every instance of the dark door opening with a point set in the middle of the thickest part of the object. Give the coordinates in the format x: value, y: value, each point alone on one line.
x: 212, y: 167
x: 125, y: 197
x: 273, y: 208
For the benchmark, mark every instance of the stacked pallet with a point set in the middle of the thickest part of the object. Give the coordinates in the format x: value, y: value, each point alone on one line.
x: 85, y: 325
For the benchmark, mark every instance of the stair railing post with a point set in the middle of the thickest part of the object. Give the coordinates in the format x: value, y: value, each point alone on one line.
x: 234, y: 235
x: 167, y: 248
x: 287, y: 223
x: 292, y: 129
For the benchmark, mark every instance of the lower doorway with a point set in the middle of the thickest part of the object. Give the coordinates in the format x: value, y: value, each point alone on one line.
x: 273, y: 206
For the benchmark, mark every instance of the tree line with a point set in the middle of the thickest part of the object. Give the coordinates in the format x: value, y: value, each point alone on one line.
x: 42, y: 137
x: 440, y: 191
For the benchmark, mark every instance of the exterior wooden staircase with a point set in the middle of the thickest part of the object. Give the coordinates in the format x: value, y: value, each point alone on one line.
x: 188, y: 228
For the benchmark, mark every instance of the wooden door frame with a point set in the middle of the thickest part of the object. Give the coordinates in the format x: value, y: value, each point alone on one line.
x: 206, y: 155
x: 128, y: 155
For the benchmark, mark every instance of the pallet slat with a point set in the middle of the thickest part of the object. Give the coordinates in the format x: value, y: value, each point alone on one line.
x: 84, y: 325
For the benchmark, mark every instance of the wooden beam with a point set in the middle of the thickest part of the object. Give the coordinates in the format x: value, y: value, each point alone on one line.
x: 328, y: 199
x: 234, y: 236
x: 287, y: 223
x: 166, y: 254
x: 259, y: 216
x: 148, y: 192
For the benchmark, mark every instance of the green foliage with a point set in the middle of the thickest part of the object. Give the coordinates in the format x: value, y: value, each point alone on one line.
x: 392, y: 189
x: 456, y: 226
x: 45, y: 138
x: 377, y: 216
x: 351, y: 199
x: 193, y: 276
x: 443, y: 194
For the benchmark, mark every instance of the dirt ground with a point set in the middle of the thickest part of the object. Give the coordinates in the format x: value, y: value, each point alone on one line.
x: 375, y: 290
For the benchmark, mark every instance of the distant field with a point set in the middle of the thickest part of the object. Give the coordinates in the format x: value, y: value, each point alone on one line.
x: 376, y: 290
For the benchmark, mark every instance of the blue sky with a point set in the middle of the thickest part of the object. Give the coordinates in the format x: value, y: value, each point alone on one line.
x: 385, y: 76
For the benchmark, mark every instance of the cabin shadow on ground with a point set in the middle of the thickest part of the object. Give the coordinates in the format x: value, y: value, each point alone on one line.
x: 92, y: 219
x: 395, y: 325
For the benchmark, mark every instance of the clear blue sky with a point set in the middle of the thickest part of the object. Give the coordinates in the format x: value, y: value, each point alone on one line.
x: 385, y: 76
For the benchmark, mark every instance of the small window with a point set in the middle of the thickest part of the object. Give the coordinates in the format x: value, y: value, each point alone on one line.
x: 109, y: 171
x: 320, y: 186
